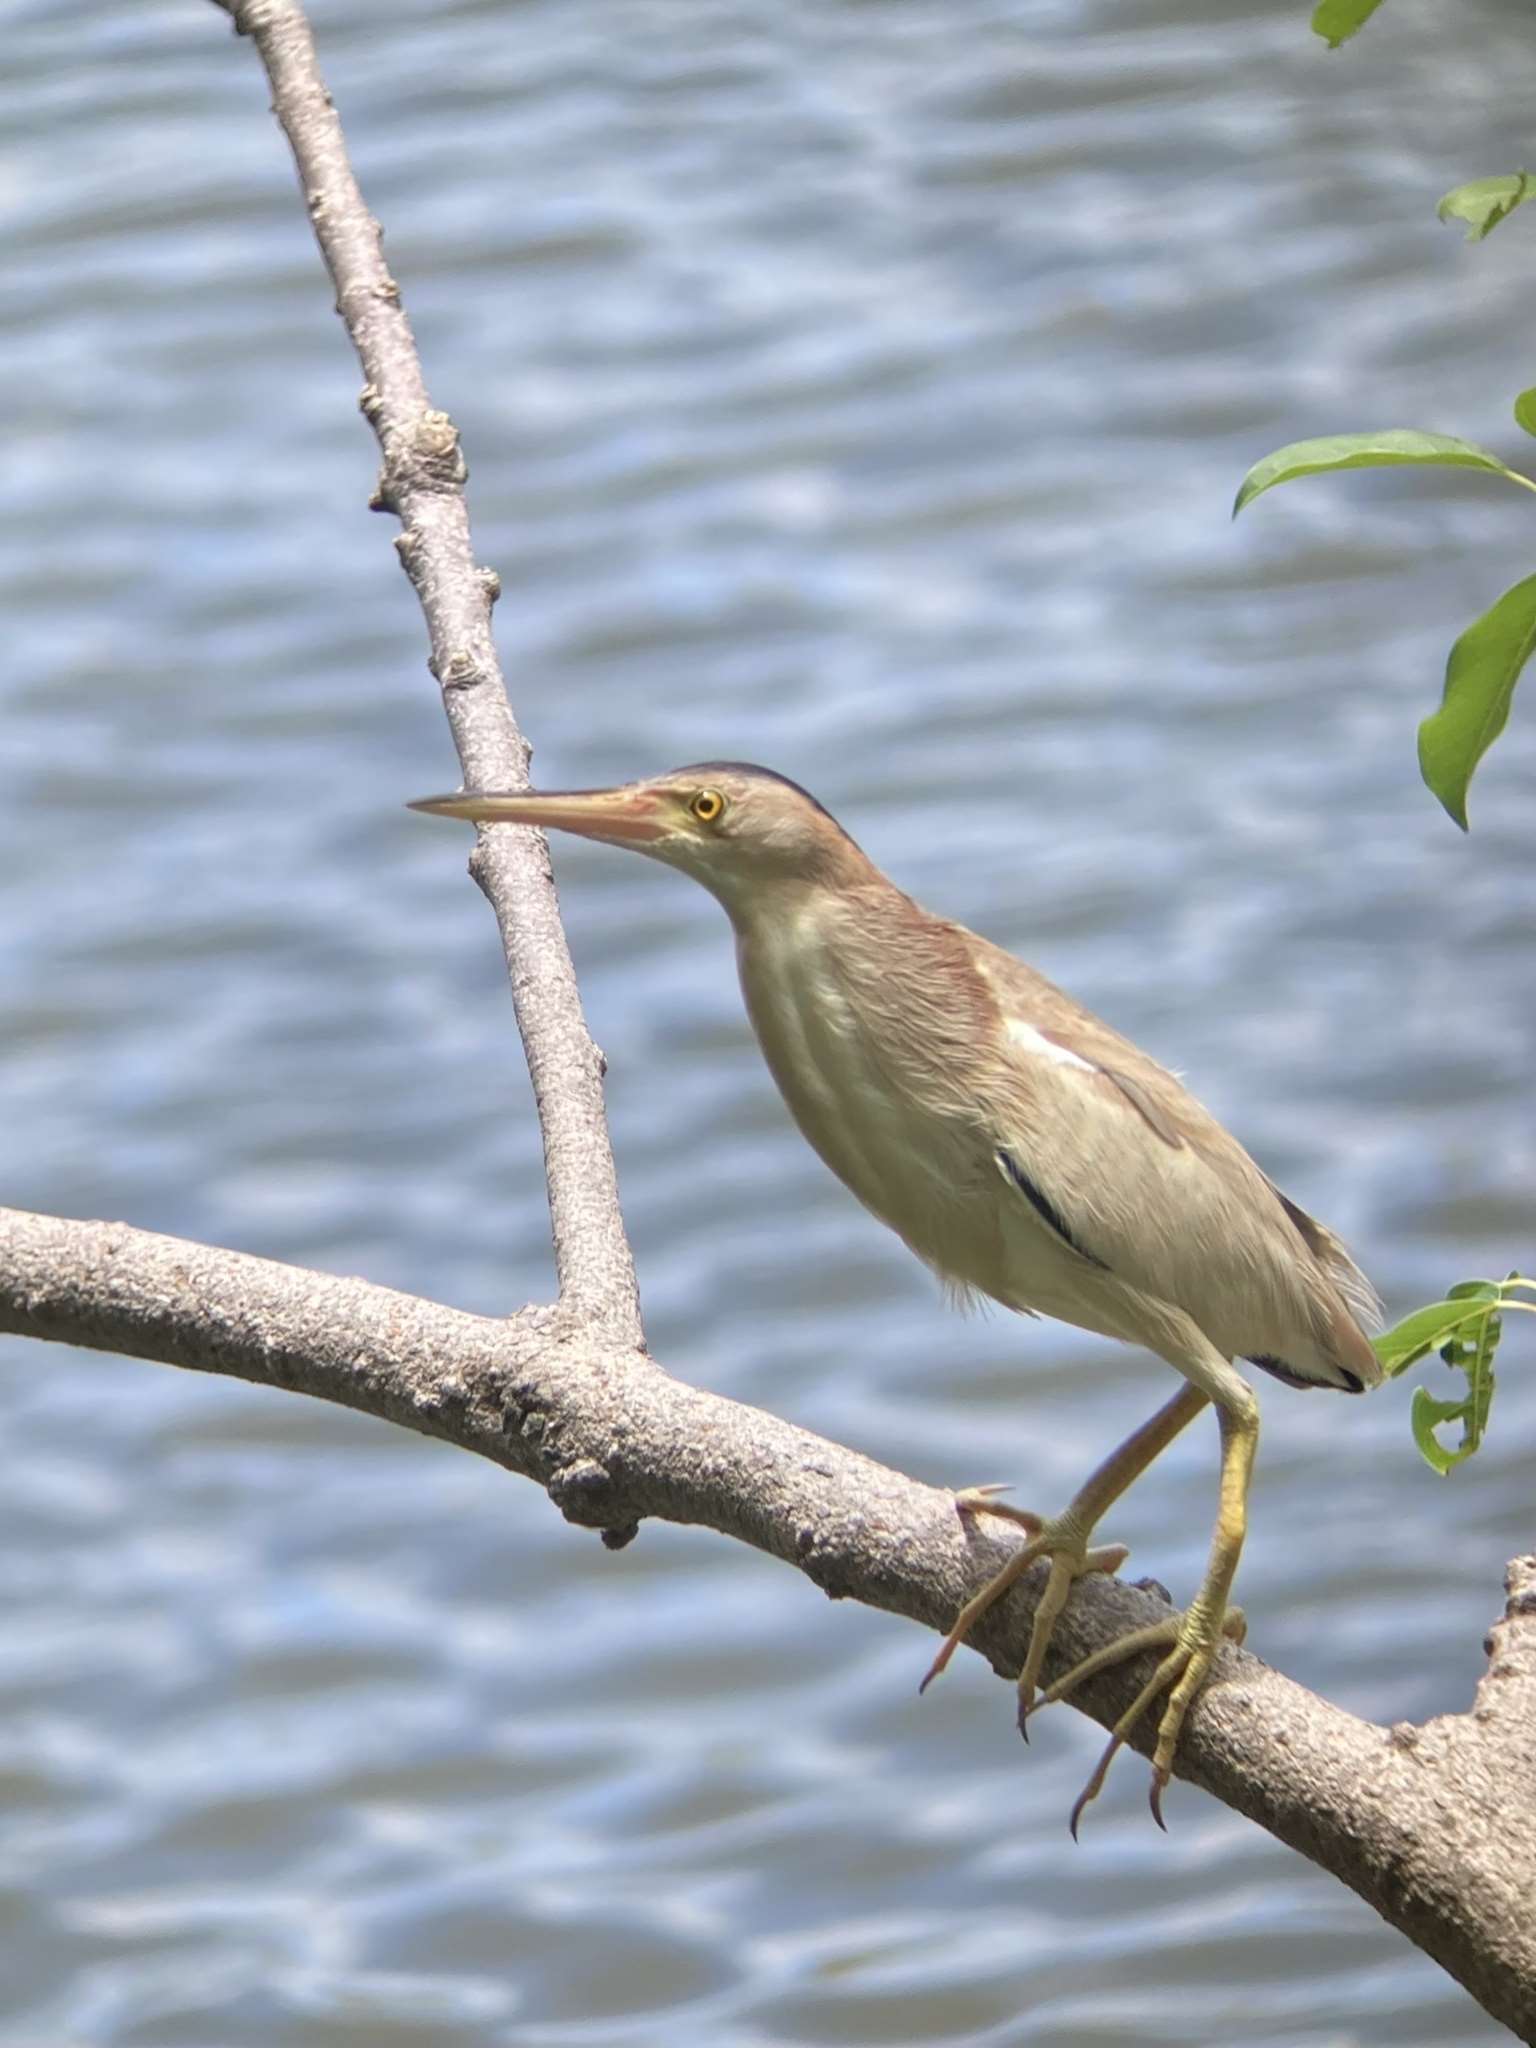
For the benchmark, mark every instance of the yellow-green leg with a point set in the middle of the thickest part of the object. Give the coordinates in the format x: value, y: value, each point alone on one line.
x: 1064, y: 1539
x: 1191, y: 1639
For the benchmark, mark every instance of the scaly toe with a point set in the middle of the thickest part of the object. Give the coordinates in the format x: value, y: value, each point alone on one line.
x: 978, y: 1604
x: 1063, y: 1542
x: 1157, y: 1635
x: 983, y: 1500
x: 1191, y: 1645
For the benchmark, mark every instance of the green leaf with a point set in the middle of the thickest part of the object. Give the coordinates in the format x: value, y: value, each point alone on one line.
x: 1337, y: 20
x: 1466, y: 1328
x: 1424, y: 1415
x: 1470, y: 1350
x: 1525, y: 410
x: 1478, y: 1290
x: 1487, y: 201
x: 1389, y: 449
x: 1474, y: 1354
x: 1422, y: 1332
x: 1480, y: 680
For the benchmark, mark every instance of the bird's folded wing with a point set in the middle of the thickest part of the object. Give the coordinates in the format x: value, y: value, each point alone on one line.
x: 1113, y: 1155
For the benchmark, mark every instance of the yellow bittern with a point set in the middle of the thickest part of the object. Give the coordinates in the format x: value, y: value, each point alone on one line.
x: 1024, y: 1150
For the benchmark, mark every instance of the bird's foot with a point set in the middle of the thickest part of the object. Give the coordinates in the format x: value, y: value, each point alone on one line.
x: 1190, y: 1641
x: 1065, y: 1542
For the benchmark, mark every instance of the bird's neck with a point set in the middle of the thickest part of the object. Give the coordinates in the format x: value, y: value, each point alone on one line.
x: 814, y: 895
x: 813, y: 943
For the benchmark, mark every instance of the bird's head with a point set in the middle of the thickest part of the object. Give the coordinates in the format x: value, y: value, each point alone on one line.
x: 741, y: 831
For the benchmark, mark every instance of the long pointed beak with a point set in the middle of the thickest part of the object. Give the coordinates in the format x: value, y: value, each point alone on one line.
x: 629, y: 816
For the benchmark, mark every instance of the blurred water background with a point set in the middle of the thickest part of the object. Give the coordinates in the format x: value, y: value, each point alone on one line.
x: 862, y: 389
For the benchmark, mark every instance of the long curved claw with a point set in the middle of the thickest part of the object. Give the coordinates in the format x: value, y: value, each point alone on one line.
x: 1155, y: 1801
x: 1095, y: 1784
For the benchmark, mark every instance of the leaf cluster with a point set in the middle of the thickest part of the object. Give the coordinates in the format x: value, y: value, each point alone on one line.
x: 1480, y: 677
x: 1465, y: 1330
x: 1486, y: 662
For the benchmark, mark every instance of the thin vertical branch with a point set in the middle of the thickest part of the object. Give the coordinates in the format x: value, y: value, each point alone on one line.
x: 422, y: 482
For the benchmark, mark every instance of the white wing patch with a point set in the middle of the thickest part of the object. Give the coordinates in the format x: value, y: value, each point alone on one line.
x: 1042, y: 1046
x: 1029, y: 1039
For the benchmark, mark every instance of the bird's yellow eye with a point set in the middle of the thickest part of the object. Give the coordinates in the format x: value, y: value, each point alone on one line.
x: 707, y: 806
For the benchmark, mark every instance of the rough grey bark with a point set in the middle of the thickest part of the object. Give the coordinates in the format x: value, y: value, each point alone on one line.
x: 1433, y: 1825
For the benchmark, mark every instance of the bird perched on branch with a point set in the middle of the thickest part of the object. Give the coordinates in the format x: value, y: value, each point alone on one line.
x: 1023, y: 1150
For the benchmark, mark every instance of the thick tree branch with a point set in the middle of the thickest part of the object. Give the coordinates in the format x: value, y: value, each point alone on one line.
x: 1432, y: 1825
x: 422, y: 481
